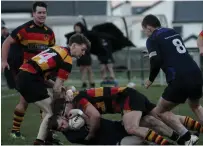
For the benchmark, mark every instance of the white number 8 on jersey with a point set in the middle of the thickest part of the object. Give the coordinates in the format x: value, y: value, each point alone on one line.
x: 179, y: 46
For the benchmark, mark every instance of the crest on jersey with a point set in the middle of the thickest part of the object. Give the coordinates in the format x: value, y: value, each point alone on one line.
x: 46, y: 37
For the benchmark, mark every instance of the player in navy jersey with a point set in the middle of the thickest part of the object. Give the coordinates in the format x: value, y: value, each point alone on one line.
x: 168, y: 52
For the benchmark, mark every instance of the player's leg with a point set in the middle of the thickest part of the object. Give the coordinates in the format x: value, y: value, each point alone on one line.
x: 195, y: 95
x: 111, y: 71
x: 83, y: 71
x: 160, y: 127
x: 90, y: 76
x: 133, y: 107
x: 197, y: 109
x: 162, y: 111
x: 45, y: 106
x: 190, y: 123
x: 18, y: 118
x: 103, y: 71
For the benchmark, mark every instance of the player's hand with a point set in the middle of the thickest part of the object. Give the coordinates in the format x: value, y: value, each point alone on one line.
x: 148, y: 84
x: 4, y: 64
x: 74, y: 112
x: 69, y: 95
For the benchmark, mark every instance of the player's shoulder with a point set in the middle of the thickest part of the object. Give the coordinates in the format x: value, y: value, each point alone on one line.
x: 47, y: 28
x: 24, y: 25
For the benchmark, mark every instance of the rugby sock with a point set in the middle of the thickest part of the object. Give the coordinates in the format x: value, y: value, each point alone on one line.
x: 152, y: 136
x: 17, y: 120
x: 174, y: 136
x: 193, y: 125
x: 184, y: 138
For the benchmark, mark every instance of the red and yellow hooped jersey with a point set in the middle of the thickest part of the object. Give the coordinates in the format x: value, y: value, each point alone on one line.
x: 101, y: 98
x: 55, y: 60
x: 33, y: 38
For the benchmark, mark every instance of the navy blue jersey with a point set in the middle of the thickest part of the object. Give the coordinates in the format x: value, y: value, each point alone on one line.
x: 168, y: 52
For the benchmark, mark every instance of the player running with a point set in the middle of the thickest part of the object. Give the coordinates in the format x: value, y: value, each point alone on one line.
x: 56, y: 61
x: 168, y: 52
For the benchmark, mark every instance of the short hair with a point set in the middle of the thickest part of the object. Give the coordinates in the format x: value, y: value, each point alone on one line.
x: 39, y: 4
x: 53, y: 123
x: 79, y: 39
x: 151, y: 20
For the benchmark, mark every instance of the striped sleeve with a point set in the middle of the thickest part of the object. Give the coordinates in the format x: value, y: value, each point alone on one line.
x: 17, y: 34
x: 65, y: 68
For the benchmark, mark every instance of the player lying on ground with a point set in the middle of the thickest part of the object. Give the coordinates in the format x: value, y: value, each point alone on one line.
x: 112, y: 100
x: 32, y: 77
x: 168, y: 52
x: 109, y: 132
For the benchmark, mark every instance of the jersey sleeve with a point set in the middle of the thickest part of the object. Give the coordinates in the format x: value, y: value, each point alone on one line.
x: 17, y: 34
x: 155, y: 59
x: 81, y: 102
x: 65, y: 68
x: 52, y: 40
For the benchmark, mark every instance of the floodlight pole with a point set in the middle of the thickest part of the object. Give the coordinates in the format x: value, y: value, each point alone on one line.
x: 128, y: 53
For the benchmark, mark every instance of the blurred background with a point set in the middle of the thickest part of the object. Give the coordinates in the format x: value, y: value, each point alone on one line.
x: 130, y: 64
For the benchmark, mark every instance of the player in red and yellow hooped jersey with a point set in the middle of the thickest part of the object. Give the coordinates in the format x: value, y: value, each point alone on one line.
x: 32, y: 76
x: 108, y: 100
x: 200, y: 42
x: 31, y: 38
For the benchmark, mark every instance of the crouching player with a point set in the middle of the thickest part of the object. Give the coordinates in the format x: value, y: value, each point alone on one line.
x: 32, y: 77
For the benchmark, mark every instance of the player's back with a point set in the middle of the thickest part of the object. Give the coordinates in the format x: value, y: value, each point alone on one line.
x: 173, y: 53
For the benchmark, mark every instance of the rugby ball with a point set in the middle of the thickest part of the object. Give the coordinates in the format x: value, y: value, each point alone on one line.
x: 76, y: 122
x: 131, y: 85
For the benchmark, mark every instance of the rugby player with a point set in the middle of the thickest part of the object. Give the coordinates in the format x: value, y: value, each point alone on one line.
x: 168, y: 52
x: 146, y: 121
x: 109, y: 132
x: 56, y: 61
x: 32, y: 37
x: 200, y: 43
x: 96, y: 101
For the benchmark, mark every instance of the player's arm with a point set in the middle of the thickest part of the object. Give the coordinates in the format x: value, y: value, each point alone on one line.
x: 15, y: 36
x: 155, y: 59
x: 93, y: 116
x: 63, y: 74
x: 200, y: 43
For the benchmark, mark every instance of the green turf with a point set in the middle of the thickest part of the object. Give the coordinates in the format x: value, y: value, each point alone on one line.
x: 31, y: 123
